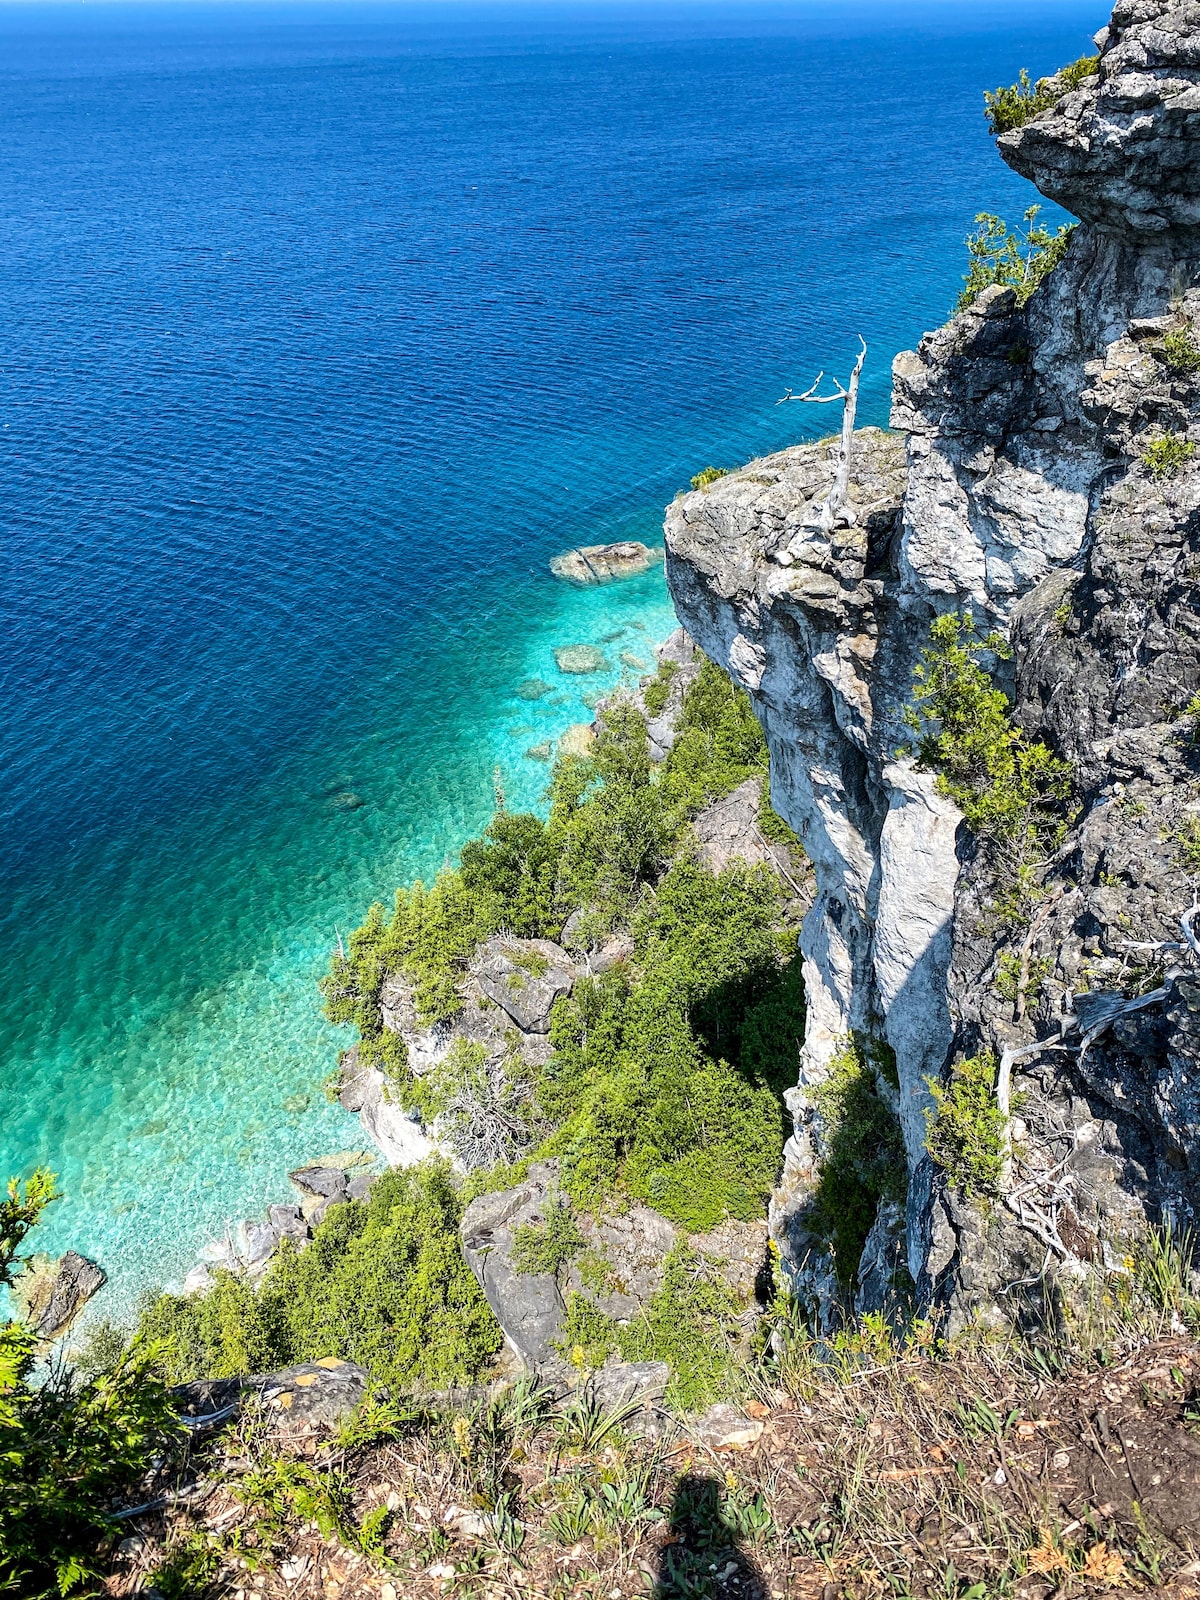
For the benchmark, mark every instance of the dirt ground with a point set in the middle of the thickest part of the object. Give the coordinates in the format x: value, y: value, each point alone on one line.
x: 961, y: 1479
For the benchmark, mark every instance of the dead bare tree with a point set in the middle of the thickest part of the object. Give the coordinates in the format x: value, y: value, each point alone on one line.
x: 836, y: 497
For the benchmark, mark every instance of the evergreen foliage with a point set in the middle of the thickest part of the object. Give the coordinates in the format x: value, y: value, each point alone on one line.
x: 1011, y: 790
x: 68, y: 1446
x: 687, y: 1322
x: 1012, y: 107
x: 864, y: 1162
x: 383, y: 1283
x: 551, y: 1245
x: 1180, y: 350
x: 1166, y: 455
x: 966, y: 1128
x: 1020, y: 259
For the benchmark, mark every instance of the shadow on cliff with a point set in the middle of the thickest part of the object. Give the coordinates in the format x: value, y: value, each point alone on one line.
x: 705, y: 1555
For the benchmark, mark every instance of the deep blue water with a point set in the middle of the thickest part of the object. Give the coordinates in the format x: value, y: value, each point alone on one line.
x: 321, y: 330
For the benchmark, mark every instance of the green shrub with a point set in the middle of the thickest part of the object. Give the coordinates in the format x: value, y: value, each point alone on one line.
x: 1010, y: 790
x: 709, y: 475
x: 1020, y: 259
x: 550, y: 1245
x: 666, y: 1080
x: 966, y: 1128
x: 654, y: 695
x: 1180, y: 350
x: 70, y: 1448
x: 383, y: 1283
x: 1164, y: 456
x: 864, y: 1159
x: 1012, y: 107
x: 687, y: 1322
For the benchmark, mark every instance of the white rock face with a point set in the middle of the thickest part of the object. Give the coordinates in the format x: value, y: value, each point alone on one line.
x: 980, y: 501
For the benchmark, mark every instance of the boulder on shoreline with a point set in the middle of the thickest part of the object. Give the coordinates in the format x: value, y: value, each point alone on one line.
x: 602, y: 563
x: 53, y: 1293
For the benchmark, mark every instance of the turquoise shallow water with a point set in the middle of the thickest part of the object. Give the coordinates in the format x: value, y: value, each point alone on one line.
x: 184, y: 1077
x: 321, y: 331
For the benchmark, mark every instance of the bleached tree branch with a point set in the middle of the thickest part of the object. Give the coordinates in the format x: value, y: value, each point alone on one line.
x: 836, y: 497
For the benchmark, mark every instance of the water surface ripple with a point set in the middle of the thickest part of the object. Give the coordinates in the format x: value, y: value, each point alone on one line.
x: 321, y: 330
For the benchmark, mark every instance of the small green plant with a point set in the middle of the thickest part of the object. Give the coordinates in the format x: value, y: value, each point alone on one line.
x: 1164, y: 1266
x: 1012, y: 107
x: 1019, y: 259
x: 709, y: 475
x: 1186, y: 839
x: 1180, y: 350
x: 965, y: 1128
x: 547, y: 1246
x: 1165, y: 456
x: 863, y: 1154
x: 595, y: 1271
x: 1009, y: 973
x: 1010, y: 789
x: 654, y: 695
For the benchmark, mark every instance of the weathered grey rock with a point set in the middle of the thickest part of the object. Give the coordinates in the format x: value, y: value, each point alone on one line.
x: 724, y: 1427
x: 730, y: 830
x: 59, y: 1295
x: 524, y: 977
x: 602, y: 563
x: 883, y: 1267
x: 528, y: 1306
x: 1021, y: 496
x: 322, y: 1182
x: 1124, y: 149
x: 618, y: 1382
x: 310, y: 1399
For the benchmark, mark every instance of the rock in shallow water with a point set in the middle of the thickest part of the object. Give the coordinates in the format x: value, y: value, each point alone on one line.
x: 601, y: 563
x: 581, y: 658
x: 61, y: 1293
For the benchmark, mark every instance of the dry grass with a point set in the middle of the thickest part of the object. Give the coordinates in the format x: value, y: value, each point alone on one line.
x: 867, y: 1469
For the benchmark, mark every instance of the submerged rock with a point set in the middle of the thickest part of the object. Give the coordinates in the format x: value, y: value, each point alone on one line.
x: 581, y: 658
x: 578, y: 740
x: 602, y: 563
x: 534, y: 689
x: 540, y: 752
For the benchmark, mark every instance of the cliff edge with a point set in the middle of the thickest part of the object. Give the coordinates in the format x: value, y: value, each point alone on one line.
x: 1041, y: 478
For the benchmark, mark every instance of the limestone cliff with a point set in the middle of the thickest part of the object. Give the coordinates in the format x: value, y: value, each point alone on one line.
x: 1014, y: 487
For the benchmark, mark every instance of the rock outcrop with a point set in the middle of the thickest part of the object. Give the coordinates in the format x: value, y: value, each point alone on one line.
x: 602, y: 563
x: 617, y: 1265
x: 1021, y: 485
x: 51, y: 1294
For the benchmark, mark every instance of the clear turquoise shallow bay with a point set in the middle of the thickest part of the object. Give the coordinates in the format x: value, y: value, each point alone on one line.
x: 322, y: 330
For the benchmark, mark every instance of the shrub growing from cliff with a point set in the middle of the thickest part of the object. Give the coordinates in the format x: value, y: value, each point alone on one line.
x: 383, y: 1283
x: 69, y: 1447
x: 966, y: 1128
x: 864, y: 1155
x: 1167, y: 455
x: 1012, y: 107
x: 1019, y: 259
x: 1011, y: 790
